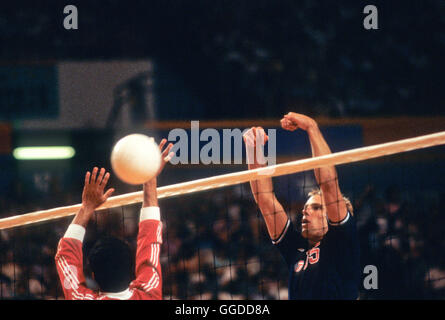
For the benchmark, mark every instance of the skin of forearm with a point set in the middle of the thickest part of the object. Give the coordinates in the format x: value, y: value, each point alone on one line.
x: 269, y: 206
x: 262, y: 188
x: 326, y: 176
x: 274, y: 217
x: 150, y: 198
x: 83, y: 216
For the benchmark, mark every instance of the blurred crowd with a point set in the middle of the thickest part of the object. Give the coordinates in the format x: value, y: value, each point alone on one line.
x: 239, y: 58
x: 402, y: 234
x: 216, y: 246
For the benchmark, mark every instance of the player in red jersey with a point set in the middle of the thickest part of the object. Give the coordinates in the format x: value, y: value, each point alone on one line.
x: 110, y: 258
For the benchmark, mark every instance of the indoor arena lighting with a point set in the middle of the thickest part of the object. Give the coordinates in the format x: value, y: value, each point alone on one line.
x: 44, y: 153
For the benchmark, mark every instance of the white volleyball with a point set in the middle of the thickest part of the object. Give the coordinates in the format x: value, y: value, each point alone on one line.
x: 136, y: 158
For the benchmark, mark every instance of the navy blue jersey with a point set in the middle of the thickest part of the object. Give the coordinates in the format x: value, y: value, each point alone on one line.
x: 330, y: 269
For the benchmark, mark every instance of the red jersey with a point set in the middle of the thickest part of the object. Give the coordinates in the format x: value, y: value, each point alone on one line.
x: 148, y: 282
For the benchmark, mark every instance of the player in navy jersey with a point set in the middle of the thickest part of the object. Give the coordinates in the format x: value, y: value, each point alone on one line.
x: 322, y: 253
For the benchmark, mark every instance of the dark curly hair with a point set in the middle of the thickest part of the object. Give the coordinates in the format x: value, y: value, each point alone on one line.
x: 111, y: 260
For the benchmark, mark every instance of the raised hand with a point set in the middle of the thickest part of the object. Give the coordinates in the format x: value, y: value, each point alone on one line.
x: 166, y: 155
x: 150, y: 198
x: 255, y: 135
x: 292, y: 121
x: 93, y: 194
x: 255, y: 138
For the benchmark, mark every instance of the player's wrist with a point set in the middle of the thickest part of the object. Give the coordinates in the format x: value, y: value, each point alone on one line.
x: 312, y: 128
x: 83, y: 216
x: 150, y: 198
x: 150, y: 183
x: 256, y: 165
x: 88, y: 208
x: 80, y: 220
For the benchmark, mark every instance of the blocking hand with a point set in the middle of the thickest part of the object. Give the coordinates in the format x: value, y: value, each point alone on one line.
x: 292, y: 121
x: 93, y: 194
x: 255, y: 138
x: 166, y: 155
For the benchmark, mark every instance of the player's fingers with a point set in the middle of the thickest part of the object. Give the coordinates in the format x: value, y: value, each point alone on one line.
x: 289, y: 119
x: 162, y: 144
x: 250, y: 149
x: 167, y: 150
x: 249, y: 141
x: 169, y: 156
x: 87, y: 178
x: 108, y: 193
x: 293, y: 118
x: 94, y: 174
x: 105, y: 180
x: 249, y: 134
x: 291, y: 128
x: 288, y: 125
x: 100, y: 176
x: 261, y: 135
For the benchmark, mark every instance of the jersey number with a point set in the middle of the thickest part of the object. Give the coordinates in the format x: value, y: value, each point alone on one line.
x: 312, y: 257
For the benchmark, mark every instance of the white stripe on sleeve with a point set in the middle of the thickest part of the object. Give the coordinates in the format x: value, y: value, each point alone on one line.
x: 278, y: 240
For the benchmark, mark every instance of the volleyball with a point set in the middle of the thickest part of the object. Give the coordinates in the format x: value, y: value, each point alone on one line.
x: 135, y: 158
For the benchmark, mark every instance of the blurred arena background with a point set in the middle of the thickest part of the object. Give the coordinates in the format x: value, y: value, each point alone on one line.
x: 150, y: 67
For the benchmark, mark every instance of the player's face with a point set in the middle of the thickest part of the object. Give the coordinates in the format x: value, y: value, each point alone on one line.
x: 314, y: 224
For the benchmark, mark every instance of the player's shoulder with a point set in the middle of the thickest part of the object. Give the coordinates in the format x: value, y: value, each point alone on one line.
x: 348, y: 220
x: 290, y: 239
x: 344, y: 232
x: 345, y: 228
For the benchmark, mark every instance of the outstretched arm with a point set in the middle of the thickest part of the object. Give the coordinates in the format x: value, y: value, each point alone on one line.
x: 262, y: 190
x: 326, y: 177
x: 149, y: 241
x: 69, y: 256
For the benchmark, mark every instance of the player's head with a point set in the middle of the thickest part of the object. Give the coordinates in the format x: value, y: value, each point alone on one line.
x: 314, y: 223
x: 111, y: 261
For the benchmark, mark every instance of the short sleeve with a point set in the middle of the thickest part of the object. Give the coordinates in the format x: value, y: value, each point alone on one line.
x: 289, y: 242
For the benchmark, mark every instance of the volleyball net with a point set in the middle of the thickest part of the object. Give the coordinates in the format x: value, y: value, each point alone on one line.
x: 216, y: 244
